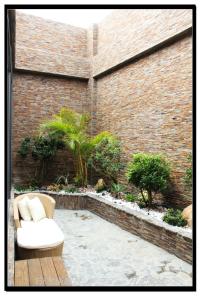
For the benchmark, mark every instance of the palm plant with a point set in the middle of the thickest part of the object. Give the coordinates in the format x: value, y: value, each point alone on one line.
x: 71, y: 127
x: 101, y: 152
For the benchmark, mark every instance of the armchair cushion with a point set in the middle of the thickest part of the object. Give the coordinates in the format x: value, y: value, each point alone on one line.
x: 37, y: 235
x: 23, y: 209
x: 36, y: 209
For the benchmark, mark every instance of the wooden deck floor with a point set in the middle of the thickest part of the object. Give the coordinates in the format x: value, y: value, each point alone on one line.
x: 46, y: 271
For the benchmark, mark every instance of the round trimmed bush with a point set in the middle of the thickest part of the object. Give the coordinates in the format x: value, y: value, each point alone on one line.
x: 150, y: 172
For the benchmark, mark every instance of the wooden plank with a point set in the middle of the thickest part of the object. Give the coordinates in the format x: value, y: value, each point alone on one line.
x: 49, y: 272
x: 35, y: 272
x: 21, y: 273
x: 61, y: 271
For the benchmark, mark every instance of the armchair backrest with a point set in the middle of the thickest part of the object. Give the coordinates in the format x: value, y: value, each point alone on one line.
x: 47, y: 201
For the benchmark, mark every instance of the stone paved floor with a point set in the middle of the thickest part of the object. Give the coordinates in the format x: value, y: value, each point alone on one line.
x: 99, y: 253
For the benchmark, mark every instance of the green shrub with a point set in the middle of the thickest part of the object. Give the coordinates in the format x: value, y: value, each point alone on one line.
x: 188, y: 173
x: 150, y: 172
x: 130, y: 197
x: 42, y: 149
x: 105, y: 158
x: 174, y: 217
x: 24, y: 147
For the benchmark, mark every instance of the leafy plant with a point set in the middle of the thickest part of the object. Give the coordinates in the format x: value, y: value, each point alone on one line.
x: 105, y: 158
x: 130, y: 197
x: 71, y: 190
x: 188, y: 173
x: 42, y: 149
x: 24, y: 188
x: 72, y: 128
x: 150, y: 172
x: 117, y: 189
x: 174, y: 217
x: 63, y: 179
x: 24, y: 147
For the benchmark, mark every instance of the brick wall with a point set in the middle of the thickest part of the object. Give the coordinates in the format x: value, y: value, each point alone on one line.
x: 35, y: 99
x: 50, y: 47
x: 127, y: 32
x: 148, y: 105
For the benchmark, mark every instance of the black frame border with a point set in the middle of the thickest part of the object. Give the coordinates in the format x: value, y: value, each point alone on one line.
x: 104, y: 288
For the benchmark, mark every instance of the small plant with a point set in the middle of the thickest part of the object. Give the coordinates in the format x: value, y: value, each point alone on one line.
x: 63, y: 179
x: 130, y: 197
x: 19, y: 188
x: 71, y: 190
x: 117, y: 190
x: 25, y: 188
x: 174, y: 217
x: 150, y: 172
x: 188, y: 173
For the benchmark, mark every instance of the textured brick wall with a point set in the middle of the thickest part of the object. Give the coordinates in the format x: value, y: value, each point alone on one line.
x: 148, y: 105
x: 51, y: 47
x: 35, y: 99
x: 127, y: 32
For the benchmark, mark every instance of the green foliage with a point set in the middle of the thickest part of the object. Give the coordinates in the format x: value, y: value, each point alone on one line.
x: 101, y: 152
x: 130, y: 197
x: 188, y: 173
x: 174, y: 217
x: 42, y: 149
x: 24, y: 147
x: 25, y: 188
x: 117, y: 189
x: 106, y: 155
x: 71, y: 127
x: 150, y: 172
x: 71, y: 190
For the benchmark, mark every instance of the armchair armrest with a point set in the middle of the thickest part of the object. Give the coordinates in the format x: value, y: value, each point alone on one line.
x: 16, y: 215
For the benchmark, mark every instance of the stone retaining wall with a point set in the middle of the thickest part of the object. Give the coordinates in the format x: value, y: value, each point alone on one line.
x: 162, y: 235
x: 171, y: 239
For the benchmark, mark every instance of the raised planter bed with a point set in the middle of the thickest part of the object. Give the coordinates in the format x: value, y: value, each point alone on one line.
x: 175, y: 240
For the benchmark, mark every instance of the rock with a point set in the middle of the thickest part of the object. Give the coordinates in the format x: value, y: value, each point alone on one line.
x: 100, y: 186
x: 187, y: 214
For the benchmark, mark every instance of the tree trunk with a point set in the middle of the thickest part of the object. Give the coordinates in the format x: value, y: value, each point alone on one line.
x: 150, y: 198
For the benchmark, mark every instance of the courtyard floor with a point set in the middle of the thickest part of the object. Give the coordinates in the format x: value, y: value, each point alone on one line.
x: 99, y: 253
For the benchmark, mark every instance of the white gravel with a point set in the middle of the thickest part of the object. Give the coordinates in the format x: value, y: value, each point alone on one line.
x: 152, y: 214
x: 120, y: 203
